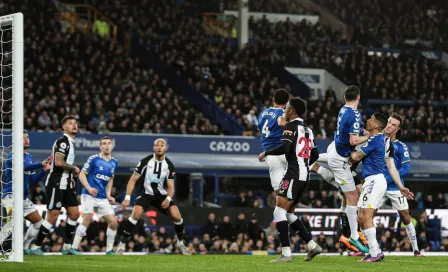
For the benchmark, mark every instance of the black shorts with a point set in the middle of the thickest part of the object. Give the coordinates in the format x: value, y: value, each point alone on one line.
x: 292, y: 189
x: 58, y: 198
x: 146, y: 201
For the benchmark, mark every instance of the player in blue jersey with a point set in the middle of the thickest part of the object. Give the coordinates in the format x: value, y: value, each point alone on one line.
x: 270, y: 123
x: 376, y: 153
x: 349, y: 133
x: 403, y: 165
x: 33, y: 172
x: 97, y: 179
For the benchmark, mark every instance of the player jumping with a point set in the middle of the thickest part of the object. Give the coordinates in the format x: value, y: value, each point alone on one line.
x: 97, y: 178
x: 349, y: 133
x: 60, y: 188
x: 299, y: 147
x: 403, y: 165
x: 33, y: 172
x: 270, y: 123
x: 373, y: 154
x: 157, y: 191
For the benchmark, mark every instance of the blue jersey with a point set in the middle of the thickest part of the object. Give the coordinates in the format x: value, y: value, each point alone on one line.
x: 402, y: 163
x: 349, y: 122
x: 32, y: 174
x: 99, y: 172
x: 270, y: 132
x: 375, y: 152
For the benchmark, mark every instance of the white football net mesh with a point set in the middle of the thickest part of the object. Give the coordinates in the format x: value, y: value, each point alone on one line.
x: 6, y: 52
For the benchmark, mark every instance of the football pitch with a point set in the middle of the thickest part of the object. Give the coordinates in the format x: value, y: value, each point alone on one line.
x: 221, y: 263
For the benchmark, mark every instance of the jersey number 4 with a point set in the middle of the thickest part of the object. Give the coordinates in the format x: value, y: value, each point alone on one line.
x: 158, y: 169
x: 305, y: 148
x: 265, y: 129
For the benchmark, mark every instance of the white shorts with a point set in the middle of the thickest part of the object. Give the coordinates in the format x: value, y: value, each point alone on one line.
x: 277, y: 169
x: 373, y: 191
x: 101, y: 207
x: 28, y: 206
x: 399, y: 202
x: 341, y: 169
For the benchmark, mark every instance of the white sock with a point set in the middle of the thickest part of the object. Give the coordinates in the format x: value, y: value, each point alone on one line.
x: 286, y: 251
x: 410, y: 229
x: 311, y: 245
x: 31, y: 233
x: 110, y: 239
x: 5, y: 232
x: 80, y: 233
x: 352, y: 214
x: 374, y: 248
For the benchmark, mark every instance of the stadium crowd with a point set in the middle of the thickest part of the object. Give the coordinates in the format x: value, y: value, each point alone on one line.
x: 109, y: 90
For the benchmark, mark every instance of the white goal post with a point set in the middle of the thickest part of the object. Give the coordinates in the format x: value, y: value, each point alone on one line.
x: 12, y: 80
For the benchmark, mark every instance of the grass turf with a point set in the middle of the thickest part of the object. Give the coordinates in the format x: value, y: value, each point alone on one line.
x: 221, y: 263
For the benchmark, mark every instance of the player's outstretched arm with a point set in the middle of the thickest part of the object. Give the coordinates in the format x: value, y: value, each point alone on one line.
x: 356, y: 139
x: 130, y: 188
x: 396, y: 178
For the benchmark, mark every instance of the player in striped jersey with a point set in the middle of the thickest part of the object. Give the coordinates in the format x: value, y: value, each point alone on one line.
x: 157, y: 191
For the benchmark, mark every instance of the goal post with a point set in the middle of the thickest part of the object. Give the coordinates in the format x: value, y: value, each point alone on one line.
x: 12, y: 116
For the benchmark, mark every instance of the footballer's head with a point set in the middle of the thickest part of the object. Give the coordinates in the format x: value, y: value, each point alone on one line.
x: 70, y: 124
x: 296, y: 107
x: 281, y: 97
x: 160, y: 147
x: 106, y: 145
x: 378, y: 121
x: 352, y: 94
x: 26, y: 140
x: 393, y: 124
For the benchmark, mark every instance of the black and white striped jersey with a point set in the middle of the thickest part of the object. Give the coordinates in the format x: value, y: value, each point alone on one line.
x: 58, y: 177
x: 390, y: 151
x: 155, y: 174
x: 298, y: 156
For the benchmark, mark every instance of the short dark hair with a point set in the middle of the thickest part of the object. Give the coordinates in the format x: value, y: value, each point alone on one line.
x: 105, y: 138
x: 299, y: 105
x: 281, y: 97
x: 25, y: 131
x: 66, y: 118
x: 351, y: 93
x: 381, y: 119
x: 398, y: 117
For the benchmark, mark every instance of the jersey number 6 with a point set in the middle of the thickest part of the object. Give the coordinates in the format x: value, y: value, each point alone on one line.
x: 305, y: 151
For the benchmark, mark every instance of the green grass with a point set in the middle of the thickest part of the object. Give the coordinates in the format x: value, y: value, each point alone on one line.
x: 220, y: 263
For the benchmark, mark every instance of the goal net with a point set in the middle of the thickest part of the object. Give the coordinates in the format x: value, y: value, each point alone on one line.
x: 11, y: 137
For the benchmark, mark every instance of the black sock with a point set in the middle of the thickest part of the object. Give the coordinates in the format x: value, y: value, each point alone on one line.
x: 298, y: 227
x: 283, y: 233
x: 69, y: 233
x: 127, y: 231
x: 43, y: 232
x: 179, y: 231
x: 345, y: 225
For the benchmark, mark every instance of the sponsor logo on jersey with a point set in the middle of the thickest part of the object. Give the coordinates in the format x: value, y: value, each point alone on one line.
x: 102, y: 177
